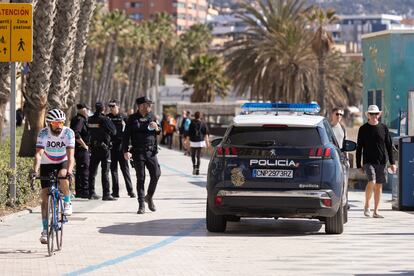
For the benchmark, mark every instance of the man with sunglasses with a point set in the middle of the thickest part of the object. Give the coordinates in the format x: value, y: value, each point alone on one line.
x: 337, y: 128
x: 117, y: 155
x: 374, y: 144
x: 55, y: 149
x: 141, y: 130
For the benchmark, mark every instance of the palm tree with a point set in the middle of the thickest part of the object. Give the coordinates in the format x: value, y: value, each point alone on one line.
x: 38, y: 82
x: 63, y: 50
x: 206, y: 77
x: 86, y: 11
x: 194, y: 41
x: 322, y: 43
x: 272, y: 59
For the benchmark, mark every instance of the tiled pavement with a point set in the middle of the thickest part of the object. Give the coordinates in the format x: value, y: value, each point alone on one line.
x: 109, y: 238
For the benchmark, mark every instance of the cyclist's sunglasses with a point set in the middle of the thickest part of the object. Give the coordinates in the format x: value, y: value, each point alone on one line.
x: 57, y: 124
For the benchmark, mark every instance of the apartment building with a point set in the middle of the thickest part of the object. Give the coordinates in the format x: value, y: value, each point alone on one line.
x: 184, y: 12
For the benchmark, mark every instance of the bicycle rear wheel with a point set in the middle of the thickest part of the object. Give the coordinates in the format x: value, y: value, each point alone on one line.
x: 60, y: 222
x: 50, y: 227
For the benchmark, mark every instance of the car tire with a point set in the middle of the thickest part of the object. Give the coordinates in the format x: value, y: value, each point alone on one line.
x: 215, y: 223
x: 335, y: 224
x: 345, y: 213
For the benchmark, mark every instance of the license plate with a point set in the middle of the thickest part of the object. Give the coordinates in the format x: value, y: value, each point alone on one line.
x: 271, y: 173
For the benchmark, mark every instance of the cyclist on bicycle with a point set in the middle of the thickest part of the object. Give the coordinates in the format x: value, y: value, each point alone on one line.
x: 54, y: 152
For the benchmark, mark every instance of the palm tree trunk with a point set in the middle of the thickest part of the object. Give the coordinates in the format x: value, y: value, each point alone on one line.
x: 63, y: 50
x: 111, y: 70
x: 38, y: 82
x: 104, y: 70
x: 321, y: 72
x: 85, y: 15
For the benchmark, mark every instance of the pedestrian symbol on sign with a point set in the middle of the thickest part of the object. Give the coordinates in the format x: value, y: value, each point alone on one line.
x: 2, y: 39
x: 21, y: 45
x: 4, y: 50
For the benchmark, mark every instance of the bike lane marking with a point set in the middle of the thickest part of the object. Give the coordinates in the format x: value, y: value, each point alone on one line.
x: 152, y: 247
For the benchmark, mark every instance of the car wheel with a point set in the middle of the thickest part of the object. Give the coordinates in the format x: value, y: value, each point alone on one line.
x: 345, y: 213
x: 335, y: 224
x: 215, y: 223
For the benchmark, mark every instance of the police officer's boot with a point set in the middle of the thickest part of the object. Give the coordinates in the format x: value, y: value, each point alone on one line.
x: 141, y: 209
x: 194, y: 170
x: 150, y: 203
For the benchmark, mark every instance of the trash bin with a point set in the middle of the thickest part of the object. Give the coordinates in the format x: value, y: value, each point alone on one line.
x: 404, y: 192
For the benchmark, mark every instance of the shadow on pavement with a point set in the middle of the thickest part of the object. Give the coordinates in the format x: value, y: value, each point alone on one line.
x: 21, y: 254
x: 197, y: 227
x: 393, y: 272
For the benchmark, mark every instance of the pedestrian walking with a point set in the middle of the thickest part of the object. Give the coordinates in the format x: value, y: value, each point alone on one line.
x: 180, y: 121
x: 185, y: 130
x: 79, y: 126
x: 117, y: 156
x: 141, y: 130
x: 337, y: 127
x: 168, y: 128
x: 374, y: 144
x: 101, y: 129
x: 199, y: 139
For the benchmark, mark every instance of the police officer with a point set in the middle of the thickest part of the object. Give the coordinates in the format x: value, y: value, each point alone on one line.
x: 79, y: 126
x: 142, y: 130
x: 117, y: 156
x: 101, y: 129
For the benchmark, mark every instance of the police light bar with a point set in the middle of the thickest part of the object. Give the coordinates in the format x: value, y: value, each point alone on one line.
x: 281, y: 107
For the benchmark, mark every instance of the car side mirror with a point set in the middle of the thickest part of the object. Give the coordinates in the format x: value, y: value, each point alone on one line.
x: 349, y: 145
x: 216, y: 141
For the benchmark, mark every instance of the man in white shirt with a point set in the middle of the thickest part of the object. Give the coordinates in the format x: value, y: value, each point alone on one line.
x: 338, y: 129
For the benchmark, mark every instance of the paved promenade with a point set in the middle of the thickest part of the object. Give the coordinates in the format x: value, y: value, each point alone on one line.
x: 109, y: 238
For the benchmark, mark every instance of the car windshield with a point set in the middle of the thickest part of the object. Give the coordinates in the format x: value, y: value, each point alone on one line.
x: 274, y: 136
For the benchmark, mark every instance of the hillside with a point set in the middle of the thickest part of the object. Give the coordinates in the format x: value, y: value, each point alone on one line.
x: 398, y: 7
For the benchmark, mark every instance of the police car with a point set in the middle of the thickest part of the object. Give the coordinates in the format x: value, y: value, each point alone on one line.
x: 278, y: 160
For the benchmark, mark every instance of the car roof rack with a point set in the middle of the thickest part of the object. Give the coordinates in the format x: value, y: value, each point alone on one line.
x: 306, y: 108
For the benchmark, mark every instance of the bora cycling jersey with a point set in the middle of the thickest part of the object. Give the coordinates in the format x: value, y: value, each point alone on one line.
x: 55, y: 146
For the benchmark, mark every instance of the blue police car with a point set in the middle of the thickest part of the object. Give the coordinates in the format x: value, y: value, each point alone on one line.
x: 278, y: 160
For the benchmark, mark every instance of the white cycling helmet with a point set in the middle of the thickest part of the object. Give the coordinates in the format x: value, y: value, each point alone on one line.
x: 55, y: 115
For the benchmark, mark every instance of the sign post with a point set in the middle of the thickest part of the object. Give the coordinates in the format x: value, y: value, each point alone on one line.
x: 16, y: 45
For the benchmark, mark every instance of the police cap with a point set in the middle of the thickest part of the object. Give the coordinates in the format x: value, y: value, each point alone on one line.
x: 142, y: 100
x: 99, y: 106
x: 82, y: 105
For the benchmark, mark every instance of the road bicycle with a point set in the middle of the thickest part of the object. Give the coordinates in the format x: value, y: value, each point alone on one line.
x: 55, y: 217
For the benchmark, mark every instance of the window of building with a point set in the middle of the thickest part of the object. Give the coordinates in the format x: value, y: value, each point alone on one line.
x: 136, y: 16
x: 178, y: 4
x: 136, y: 4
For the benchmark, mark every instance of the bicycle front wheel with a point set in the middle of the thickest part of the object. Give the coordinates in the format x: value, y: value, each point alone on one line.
x: 50, y: 227
x: 60, y: 222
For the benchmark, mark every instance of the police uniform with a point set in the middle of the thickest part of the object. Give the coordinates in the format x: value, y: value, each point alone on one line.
x: 117, y: 156
x: 144, y: 152
x: 79, y: 126
x: 101, y: 129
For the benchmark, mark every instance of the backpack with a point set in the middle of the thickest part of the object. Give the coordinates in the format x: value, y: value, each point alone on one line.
x: 187, y: 124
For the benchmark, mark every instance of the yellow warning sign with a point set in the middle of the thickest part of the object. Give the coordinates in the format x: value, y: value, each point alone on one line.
x: 16, y: 32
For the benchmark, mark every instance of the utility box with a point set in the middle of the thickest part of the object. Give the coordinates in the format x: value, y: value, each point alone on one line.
x: 403, y: 194
x: 388, y: 77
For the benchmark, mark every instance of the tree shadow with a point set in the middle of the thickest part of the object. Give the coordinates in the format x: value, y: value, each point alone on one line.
x: 393, y: 272
x: 196, y: 227
x: 22, y: 254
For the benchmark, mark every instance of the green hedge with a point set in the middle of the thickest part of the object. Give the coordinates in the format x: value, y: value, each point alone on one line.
x: 24, y: 192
